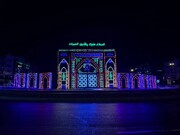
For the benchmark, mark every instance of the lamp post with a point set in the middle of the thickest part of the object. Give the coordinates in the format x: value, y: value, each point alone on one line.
x: 171, y: 64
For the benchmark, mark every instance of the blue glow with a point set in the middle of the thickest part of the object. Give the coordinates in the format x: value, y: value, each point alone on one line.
x: 109, y: 54
x: 63, y: 54
x: 87, y: 55
x: 95, y: 118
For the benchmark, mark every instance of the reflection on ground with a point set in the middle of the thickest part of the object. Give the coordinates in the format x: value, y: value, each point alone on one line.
x: 89, y: 118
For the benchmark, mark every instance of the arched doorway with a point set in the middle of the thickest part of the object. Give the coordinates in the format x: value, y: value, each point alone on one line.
x: 21, y: 83
x: 45, y: 84
x: 87, y: 74
x: 63, y: 69
x: 135, y: 83
x: 123, y: 83
x: 31, y: 83
x: 110, y: 70
x: 64, y: 75
x: 145, y: 83
x: 110, y: 66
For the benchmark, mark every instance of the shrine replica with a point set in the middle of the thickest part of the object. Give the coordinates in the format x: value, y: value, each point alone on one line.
x: 85, y: 68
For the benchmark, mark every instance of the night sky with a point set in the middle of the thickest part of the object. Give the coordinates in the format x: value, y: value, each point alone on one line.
x: 140, y: 32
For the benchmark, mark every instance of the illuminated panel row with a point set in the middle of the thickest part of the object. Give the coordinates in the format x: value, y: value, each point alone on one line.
x: 29, y: 80
x: 129, y: 80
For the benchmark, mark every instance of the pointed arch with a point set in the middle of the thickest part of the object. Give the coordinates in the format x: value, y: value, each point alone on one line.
x: 91, y: 61
x: 91, y: 65
x: 63, y: 62
x: 109, y: 61
x: 64, y: 68
x: 45, y: 84
x: 63, y: 72
x: 45, y: 76
x: 110, y: 73
x: 135, y: 81
x: 31, y: 82
x: 110, y: 68
x: 32, y: 76
x: 123, y: 81
x: 87, y: 73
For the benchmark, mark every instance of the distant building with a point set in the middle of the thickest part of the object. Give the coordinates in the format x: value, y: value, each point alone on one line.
x: 159, y: 73
x: 9, y: 65
x: 172, y: 72
x: 142, y: 69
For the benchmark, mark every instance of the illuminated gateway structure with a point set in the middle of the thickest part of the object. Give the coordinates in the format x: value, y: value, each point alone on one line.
x: 85, y: 68
x: 96, y: 68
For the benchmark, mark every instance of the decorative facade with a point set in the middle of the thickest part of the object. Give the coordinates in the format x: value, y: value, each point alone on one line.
x: 30, y: 80
x: 86, y: 68
x: 134, y: 81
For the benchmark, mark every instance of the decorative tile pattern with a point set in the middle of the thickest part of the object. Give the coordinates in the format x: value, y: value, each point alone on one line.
x: 92, y: 80
x: 82, y: 80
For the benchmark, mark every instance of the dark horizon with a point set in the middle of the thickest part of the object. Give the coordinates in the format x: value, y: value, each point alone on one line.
x: 140, y: 32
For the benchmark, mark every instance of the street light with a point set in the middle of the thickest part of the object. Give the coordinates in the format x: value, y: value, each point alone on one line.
x: 171, y: 64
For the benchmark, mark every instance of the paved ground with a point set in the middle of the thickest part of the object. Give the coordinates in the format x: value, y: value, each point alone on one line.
x: 37, y: 118
x: 87, y: 95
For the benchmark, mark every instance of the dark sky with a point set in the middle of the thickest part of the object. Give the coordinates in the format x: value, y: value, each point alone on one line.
x: 139, y: 31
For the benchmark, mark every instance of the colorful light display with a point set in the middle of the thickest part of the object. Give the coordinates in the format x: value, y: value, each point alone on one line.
x: 134, y: 81
x: 86, y: 44
x: 86, y: 68
x: 19, y: 80
x: 123, y: 80
x: 45, y: 80
x: 31, y: 80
